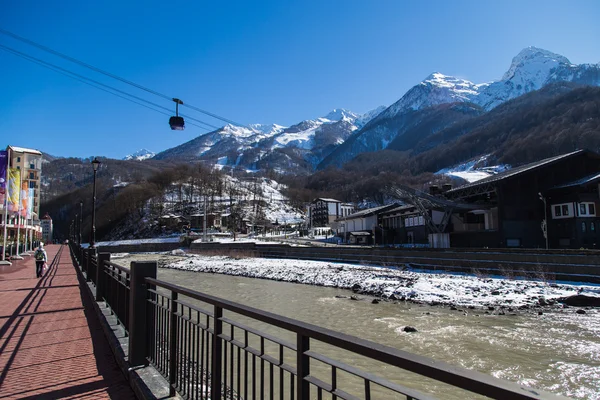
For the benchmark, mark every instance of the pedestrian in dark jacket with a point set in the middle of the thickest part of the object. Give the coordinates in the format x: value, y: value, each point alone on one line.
x: 40, y: 259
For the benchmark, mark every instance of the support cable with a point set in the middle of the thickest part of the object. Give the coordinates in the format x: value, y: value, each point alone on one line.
x: 96, y: 69
x: 98, y: 85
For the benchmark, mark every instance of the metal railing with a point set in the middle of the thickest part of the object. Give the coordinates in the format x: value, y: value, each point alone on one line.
x: 112, y: 281
x: 212, y: 348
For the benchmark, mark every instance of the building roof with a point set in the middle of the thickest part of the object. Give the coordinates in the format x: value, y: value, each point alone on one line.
x: 360, y: 233
x: 581, y: 182
x: 327, y: 200
x: 400, y: 208
x: 518, y: 170
x: 24, y: 150
x: 368, y: 212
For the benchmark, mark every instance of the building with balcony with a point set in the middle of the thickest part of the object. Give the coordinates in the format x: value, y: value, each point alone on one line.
x: 324, y: 212
x: 29, y: 164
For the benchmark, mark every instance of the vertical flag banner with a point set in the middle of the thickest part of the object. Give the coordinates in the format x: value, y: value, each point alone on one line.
x: 24, y: 199
x: 3, y: 167
x: 14, y: 186
x: 30, y: 204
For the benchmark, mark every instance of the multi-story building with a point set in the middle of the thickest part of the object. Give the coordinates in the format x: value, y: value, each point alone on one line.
x: 47, y: 229
x: 29, y: 163
x: 323, y: 211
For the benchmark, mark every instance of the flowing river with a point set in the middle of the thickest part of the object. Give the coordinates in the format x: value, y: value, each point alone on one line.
x: 558, y: 351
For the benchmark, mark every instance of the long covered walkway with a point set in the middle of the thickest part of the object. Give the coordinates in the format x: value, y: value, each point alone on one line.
x: 50, y: 347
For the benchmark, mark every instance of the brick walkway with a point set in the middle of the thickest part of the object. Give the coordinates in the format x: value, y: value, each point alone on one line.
x: 50, y: 347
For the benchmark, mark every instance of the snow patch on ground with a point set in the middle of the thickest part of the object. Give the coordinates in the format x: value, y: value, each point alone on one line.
x: 474, y: 170
x: 424, y: 287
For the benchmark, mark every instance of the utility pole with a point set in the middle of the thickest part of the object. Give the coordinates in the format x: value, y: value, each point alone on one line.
x: 204, y: 220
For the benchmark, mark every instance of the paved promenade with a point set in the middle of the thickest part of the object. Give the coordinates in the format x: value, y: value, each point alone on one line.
x: 50, y: 348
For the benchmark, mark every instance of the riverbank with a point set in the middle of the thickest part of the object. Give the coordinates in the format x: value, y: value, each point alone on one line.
x: 495, y: 294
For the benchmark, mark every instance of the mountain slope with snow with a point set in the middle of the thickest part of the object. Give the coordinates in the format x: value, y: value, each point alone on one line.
x: 301, y: 146
x: 532, y: 69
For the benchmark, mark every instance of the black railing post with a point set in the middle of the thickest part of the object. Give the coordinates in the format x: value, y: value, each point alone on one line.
x: 138, y: 325
x: 173, y: 344
x: 86, y: 256
x: 88, y: 264
x: 217, y: 349
x: 302, y: 367
x: 100, y: 275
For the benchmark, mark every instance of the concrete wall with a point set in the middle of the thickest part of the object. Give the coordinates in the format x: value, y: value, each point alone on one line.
x: 551, y: 265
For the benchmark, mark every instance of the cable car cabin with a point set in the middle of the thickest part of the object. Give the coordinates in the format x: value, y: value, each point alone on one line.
x: 177, y: 123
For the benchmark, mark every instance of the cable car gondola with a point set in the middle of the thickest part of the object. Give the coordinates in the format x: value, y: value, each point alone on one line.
x: 176, y: 122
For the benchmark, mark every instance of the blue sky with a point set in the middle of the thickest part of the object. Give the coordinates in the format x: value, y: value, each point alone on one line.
x: 264, y: 62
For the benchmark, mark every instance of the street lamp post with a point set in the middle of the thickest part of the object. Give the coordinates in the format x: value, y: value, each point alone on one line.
x: 80, y: 219
x: 95, y: 164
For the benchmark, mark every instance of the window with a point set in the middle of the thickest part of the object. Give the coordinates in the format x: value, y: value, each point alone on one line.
x: 557, y: 211
x: 565, y: 210
x: 592, y: 227
x: 421, y: 221
x: 583, y: 227
x: 591, y: 209
x: 31, y: 175
x: 582, y: 209
x: 18, y: 159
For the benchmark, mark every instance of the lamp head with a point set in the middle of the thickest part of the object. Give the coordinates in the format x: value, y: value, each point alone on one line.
x: 96, y: 163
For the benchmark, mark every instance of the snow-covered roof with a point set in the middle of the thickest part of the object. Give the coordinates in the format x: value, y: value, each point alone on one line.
x: 580, y: 182
x: 360, y: 233
x: 24, y: 150
x: 327, y: 200
x: 519, y: 170
x: 367, y: 212
x: 403, y: 207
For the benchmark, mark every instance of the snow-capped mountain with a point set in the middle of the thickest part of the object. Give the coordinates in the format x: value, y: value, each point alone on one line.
x: 410, y: 117
x: 430, y: 107
x: 531, y: 70
x: 140, y: 155
x: 434, y: 90
x: 301, y: 145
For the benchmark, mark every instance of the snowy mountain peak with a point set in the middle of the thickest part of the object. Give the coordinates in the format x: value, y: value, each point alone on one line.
x: 140, y: 155
x: 268, y: 129
x: 339, y: 114
x: 532, y: 59
x: 457, y: 85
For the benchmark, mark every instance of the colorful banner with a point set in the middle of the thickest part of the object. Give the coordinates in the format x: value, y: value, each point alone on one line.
x: 13, y: 189
x: 30, y: 204
x: 24, y: 199
x: 3, y: 167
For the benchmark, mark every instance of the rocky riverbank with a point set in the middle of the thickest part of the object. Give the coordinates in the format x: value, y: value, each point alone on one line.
x: 492, y: 294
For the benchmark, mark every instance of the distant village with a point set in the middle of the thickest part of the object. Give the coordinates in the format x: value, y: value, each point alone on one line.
x: 551, y: 203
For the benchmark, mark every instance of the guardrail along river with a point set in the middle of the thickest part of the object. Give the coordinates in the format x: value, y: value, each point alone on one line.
x: 558, y: 351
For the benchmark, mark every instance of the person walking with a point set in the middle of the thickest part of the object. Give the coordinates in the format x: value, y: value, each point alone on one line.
x: 40, y: 260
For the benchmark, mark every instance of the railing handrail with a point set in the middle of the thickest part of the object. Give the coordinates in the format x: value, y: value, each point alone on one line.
x: 117, y: 266
x: 473, y: 381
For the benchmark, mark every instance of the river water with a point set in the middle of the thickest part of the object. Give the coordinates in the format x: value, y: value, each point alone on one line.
x: 558, y: 351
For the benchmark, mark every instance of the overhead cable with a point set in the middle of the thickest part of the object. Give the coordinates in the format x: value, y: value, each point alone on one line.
x: 97, y: 85
x: 101, y: 71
